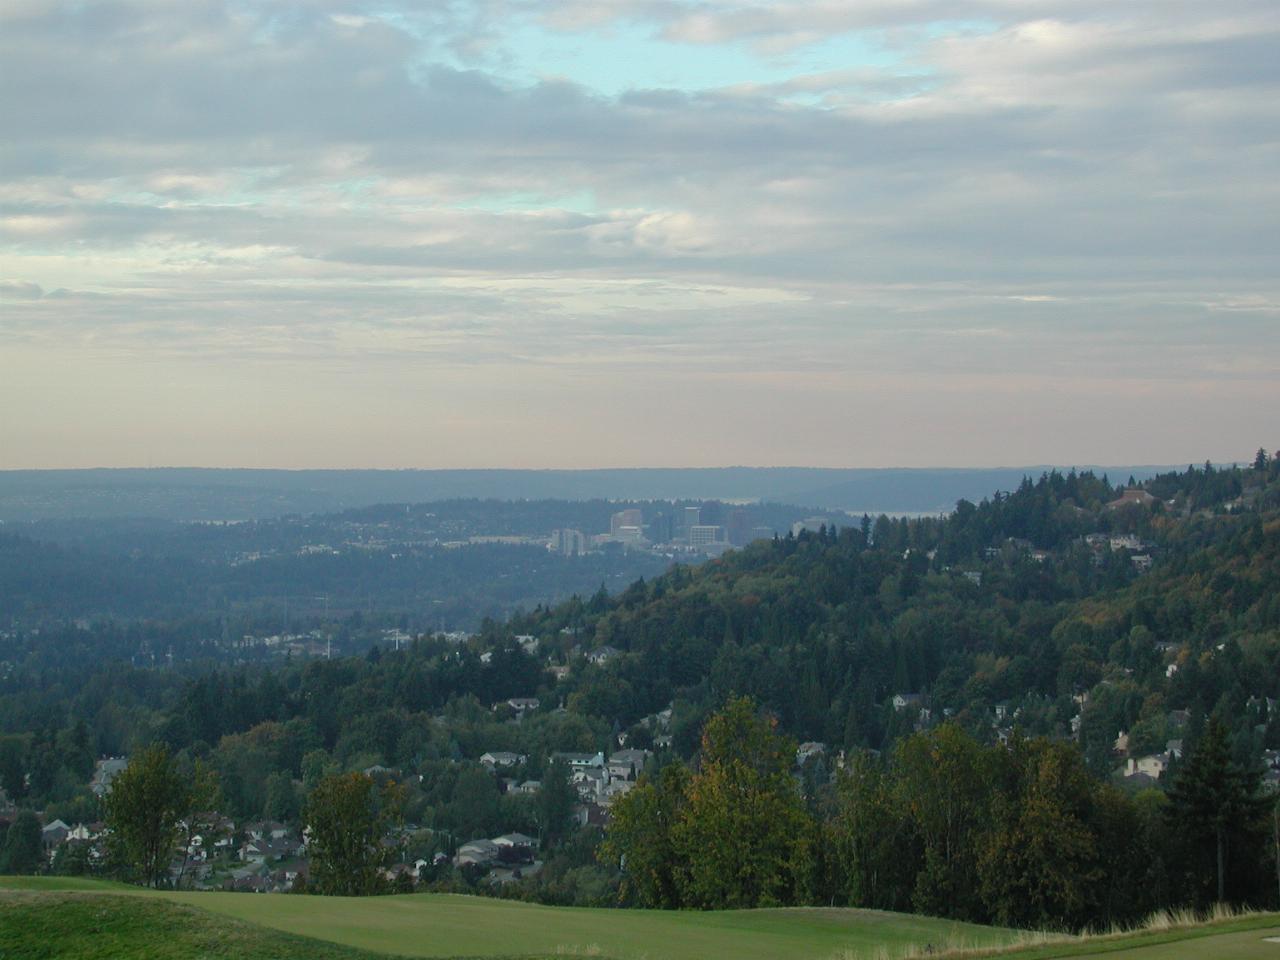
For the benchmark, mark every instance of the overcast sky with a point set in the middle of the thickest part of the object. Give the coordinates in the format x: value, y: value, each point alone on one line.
x: 531, y: 233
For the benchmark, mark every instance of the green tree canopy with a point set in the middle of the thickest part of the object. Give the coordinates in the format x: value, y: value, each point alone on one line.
x: 555, y: 802
x: 1039, y: 862
x: 641, y: 838
x: 144, y: 807
x: 21, y: 851
x: 346, y: 816
x: 1216, y: 809
x: 942, y: 782
x: 744, y: 832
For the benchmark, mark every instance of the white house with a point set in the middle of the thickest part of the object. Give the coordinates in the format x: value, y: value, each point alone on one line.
x: 502, y: 758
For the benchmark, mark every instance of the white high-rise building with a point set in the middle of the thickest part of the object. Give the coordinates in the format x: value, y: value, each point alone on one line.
x: 568, y: 542
x: 703, y: 534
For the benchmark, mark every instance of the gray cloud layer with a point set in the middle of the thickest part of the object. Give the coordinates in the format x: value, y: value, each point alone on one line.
x: 1047, y: 207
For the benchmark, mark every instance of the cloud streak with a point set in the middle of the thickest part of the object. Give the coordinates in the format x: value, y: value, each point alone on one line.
x: 976, y: 191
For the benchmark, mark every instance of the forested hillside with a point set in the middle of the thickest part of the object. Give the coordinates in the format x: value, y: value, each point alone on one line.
x: 1031, y: 644
x: 1004, y: 603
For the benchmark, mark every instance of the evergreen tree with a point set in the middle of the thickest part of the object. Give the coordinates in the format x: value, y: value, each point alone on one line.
x: 22, y: 851
x: 556, y: 798
x: 1215, y: 807
x: 13, y: 766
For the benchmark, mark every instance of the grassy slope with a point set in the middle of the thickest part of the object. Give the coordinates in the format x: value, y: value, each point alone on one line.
x: 52, y: 917
x: 79, y: 926
x: 428, y: 925
x: 1219, y: 940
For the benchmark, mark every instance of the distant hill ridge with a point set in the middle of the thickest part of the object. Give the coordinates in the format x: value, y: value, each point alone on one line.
x: 189, y: 493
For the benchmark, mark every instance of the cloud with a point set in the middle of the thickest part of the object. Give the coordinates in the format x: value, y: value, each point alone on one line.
x: 19, y: 290
x: 1041, y: 186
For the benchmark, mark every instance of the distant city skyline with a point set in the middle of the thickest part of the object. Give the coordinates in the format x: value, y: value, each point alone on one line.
x: 684, y: 233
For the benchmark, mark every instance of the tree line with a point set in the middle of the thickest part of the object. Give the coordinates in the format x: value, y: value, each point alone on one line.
x: 1019, y: 834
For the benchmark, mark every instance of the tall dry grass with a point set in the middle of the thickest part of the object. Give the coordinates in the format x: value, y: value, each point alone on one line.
x: 960, y: 948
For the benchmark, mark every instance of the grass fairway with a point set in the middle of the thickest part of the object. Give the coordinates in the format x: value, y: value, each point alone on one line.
x: 46, y: 917
x: 104, y: 926
x: 1245, y: 938
x: 427, y: 925
x: 433, y: 925
x: 1249, y: 945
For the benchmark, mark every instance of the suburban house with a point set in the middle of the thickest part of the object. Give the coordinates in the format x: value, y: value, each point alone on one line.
x: 502, y: 758
x: 54, y: 833
x: 104, y: 772
x: 515, y: 841
x: 615, y: 789
x: 627, y: 764
x: 590, y: 781
x: 266, y: 830
x: 1134, y: 496
x: 590, y: 814
x: 580, y: 760
x: 1153, y: 765
x: 602, y: 655
x: 1126, y: 541
x: 809, y: 749
x: 901, y: 701
x: 528, y: 642
x: 477, y: 852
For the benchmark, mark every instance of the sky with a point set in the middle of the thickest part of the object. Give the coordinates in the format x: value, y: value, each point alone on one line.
x: 558, y: 233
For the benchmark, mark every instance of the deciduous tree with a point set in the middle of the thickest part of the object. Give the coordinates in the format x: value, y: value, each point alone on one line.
x: 943, y: 787
x: 641, y: 838
x: 346, y: 816
x: 146, y: 802
x: 744, y: 832
x: 1038, y: 863
x: 872, y: 837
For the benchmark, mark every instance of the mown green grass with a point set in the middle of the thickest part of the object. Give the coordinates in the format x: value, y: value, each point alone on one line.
x: 46, y: 917
x: 105, y: 926
x: 437, y: 925
x: 1220, y: 940
x: 428, y: 925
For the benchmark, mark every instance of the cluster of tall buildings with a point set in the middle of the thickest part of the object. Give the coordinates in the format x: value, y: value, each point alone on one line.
x: 568, y: 542
x: 711, y: 528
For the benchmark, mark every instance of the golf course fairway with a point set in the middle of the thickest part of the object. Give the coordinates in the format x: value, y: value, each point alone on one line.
x: 164, y: 924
